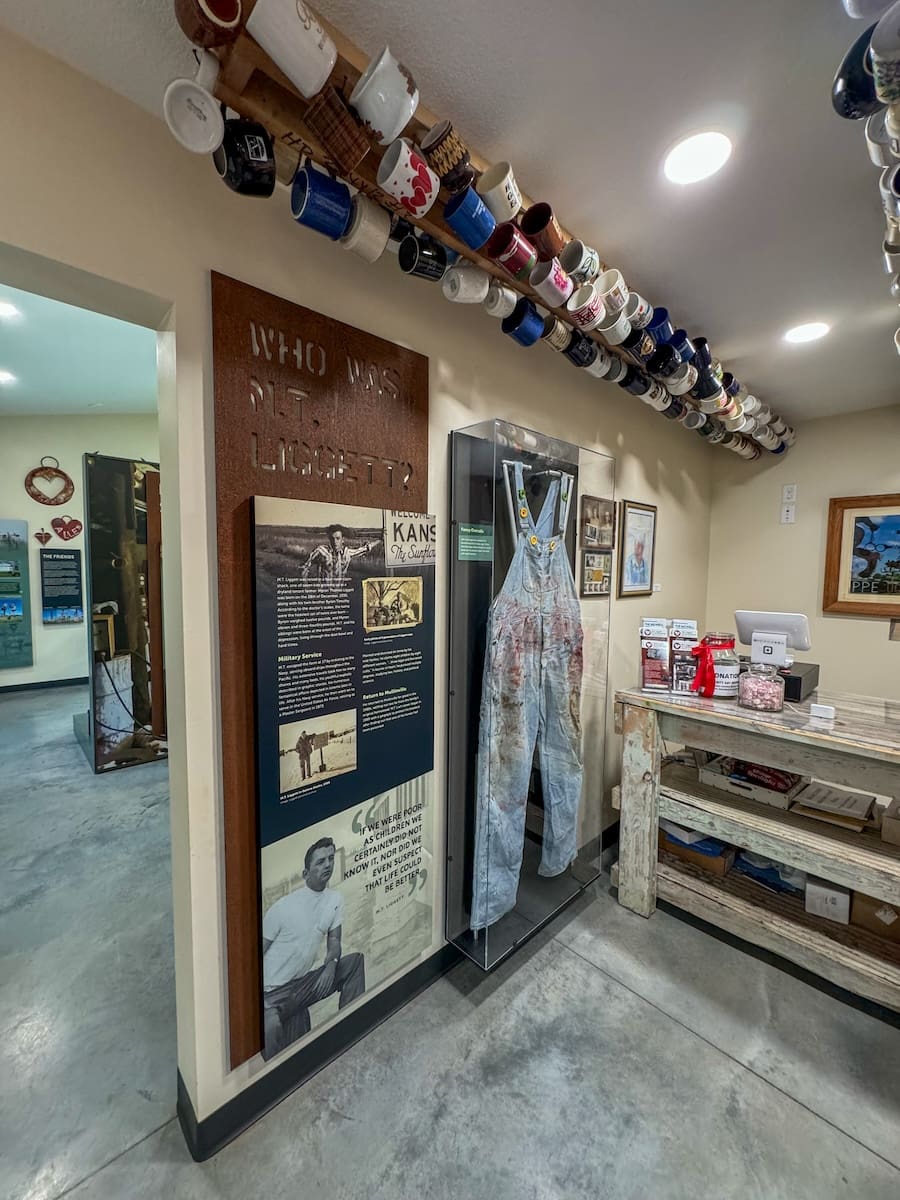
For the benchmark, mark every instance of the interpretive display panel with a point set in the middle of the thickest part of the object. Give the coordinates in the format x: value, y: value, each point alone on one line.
x: 15, y: 604
x: 61, y: 589
x: 345, y: 703
x: 528, y: 686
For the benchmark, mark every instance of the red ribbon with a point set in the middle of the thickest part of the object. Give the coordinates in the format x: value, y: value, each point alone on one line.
x: 705, y: 678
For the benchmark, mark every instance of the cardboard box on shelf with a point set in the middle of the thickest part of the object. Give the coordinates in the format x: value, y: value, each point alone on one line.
x: 890, y: 823
x: 875, y: 915
x: 716, y: 864
x: 753, y: 781
x: 829, y: 900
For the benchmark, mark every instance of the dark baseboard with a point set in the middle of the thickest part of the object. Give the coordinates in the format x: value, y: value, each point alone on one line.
x: 610, y: 835
x: 47, y: 683
x: 207, y: 1137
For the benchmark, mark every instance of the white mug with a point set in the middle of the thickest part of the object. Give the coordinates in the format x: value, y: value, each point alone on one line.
x: 581, y: 261
x: 369, y: 229
x: 295, y: 41
x: 385, y: 97
x: 885, y: 47
x: 193, y: 114
x: 466, y: 284
x: 585, y: 308
x: 404, y: 174
x: 891, y: 257
x: 638, y: 311
x: 617, y: 370
x: 615, y: 327
x: 557, y: 334
x: 552, y: 283
x: 500, y: 301
x: 614, y: 290
x: 601, y: 364
x: 498, y: 189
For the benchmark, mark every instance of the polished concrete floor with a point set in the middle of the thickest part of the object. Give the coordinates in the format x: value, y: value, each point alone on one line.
x: 611, y: 1057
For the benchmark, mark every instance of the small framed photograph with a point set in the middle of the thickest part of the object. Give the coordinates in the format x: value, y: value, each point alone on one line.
x: 862, y: 556
x: 598, y: 523
x: 596, y: 573
x: 637, y: 548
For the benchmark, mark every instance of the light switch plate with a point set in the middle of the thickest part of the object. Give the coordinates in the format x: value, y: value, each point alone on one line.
x: 789, y: 493
x: 788, y: 514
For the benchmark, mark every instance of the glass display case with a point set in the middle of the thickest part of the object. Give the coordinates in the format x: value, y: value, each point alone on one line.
x: 533, y: 542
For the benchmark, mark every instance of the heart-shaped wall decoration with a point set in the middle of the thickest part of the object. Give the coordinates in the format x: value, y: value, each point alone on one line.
x: 43, y: 536
x: 48, y: 484
x: 66, y: 527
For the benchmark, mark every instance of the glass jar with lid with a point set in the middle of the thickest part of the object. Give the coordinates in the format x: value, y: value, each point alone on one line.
x: 719, y: 667
x: 761, y: 688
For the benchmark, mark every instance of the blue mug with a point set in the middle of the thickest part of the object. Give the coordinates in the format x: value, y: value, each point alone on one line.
x: 525, y: 324
x: 469, y: 218
x: 683, y: 344
x: 660, y: 327
x: 321, y: 203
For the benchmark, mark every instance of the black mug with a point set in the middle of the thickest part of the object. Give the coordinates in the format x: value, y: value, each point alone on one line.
x: 423, y: 257
x: 246, y: 158
x: 581, y: 350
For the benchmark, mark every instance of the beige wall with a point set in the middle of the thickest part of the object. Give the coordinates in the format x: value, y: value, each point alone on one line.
x: 60, y: 652
x: 758, y: 563
x: 152, y: 216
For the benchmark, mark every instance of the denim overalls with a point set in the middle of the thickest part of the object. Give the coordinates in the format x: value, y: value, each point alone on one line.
x: 531, y: 693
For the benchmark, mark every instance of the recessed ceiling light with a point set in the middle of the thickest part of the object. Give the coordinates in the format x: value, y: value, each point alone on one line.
x: 7, y: 377
x: 810, y: 332
x: 697, y: 157
x: 8, y: 311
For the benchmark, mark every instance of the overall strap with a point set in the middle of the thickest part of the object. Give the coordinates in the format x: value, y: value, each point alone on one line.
x: 545, y: 526
x: 565, y: 502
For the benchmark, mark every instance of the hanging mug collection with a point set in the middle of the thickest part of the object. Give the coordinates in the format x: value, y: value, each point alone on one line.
x: 670, y: 370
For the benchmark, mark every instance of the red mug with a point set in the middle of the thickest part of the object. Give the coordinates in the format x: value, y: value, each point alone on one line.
x: 539, y: 224
x: 509, y: 247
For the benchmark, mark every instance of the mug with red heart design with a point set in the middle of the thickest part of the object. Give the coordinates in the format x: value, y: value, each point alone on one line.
x: 407, y: 177
x: 66, y: 527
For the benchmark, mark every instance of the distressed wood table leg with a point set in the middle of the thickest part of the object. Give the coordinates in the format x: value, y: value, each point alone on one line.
x: 639, y: 814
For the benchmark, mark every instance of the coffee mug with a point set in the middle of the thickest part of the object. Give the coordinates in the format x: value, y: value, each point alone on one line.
x: 405, y: 175
x: 638, y: 311
x: 853, y: 90
x: 891, y: 257
x: 509, y: 247
x: 656, y: 396
x: 660, y: 326
x: 618, y: 368
x: 581, y: 261
x: 369, y: 229
x: 615, y: 327
x: 466, y: 284
x: 295, y: 41
x: 693, y: 419
x: 614, y: 290
x: 639, y: 344
x: 889, y: 187
x: 682, y: 380
x: 541, y: 227
x: 423, y: 257
x: 664, y: 362
x: 552, y: 283
x: 448, y: 156
x: 557, y: 334
x: 524, y: 324
x: 682, y: 344
x: 500, y: 192
x: 730, y: 384
x: 585, y: 307
x: 385, y: 97
x: 702, y: 359
x: 337, y: 129
x: 582, y: 351
x: 246, y: 158
x: 635, y: 381
x: 469, y: 218
x: 601, y: 365
x: 193, y: 114
x: 886, y: 56
x: 209, y: 22
x: 320, y: 202
x: 500, y: 300
x: 878, y: 139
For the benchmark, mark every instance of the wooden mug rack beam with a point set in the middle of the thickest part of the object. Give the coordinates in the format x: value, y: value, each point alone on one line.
x: 252, y: 85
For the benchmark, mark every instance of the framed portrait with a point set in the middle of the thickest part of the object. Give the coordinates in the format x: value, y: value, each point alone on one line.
x: 862, y: 557
x: 596, y: 573
x: 598, y: 523
x: 637, y: 548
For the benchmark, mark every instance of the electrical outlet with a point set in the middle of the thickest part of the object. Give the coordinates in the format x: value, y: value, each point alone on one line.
x: 789, y: 493
x: 657, y: 587
x: 788, y: 514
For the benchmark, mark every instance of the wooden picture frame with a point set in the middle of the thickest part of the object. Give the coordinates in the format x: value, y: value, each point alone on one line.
x: 598, y: 523
x: 862, y: 556
x: 596, y: 574
x: 637, y: 526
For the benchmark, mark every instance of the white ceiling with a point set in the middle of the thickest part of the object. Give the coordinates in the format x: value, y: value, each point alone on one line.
x: 584, y: 98
x: 68, y: 360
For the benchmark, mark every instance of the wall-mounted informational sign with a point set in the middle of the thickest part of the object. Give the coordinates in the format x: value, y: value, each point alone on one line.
x: 306, y: 408
x: 345, y: 703
x: 61, y: 589
x: 15, y: 603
